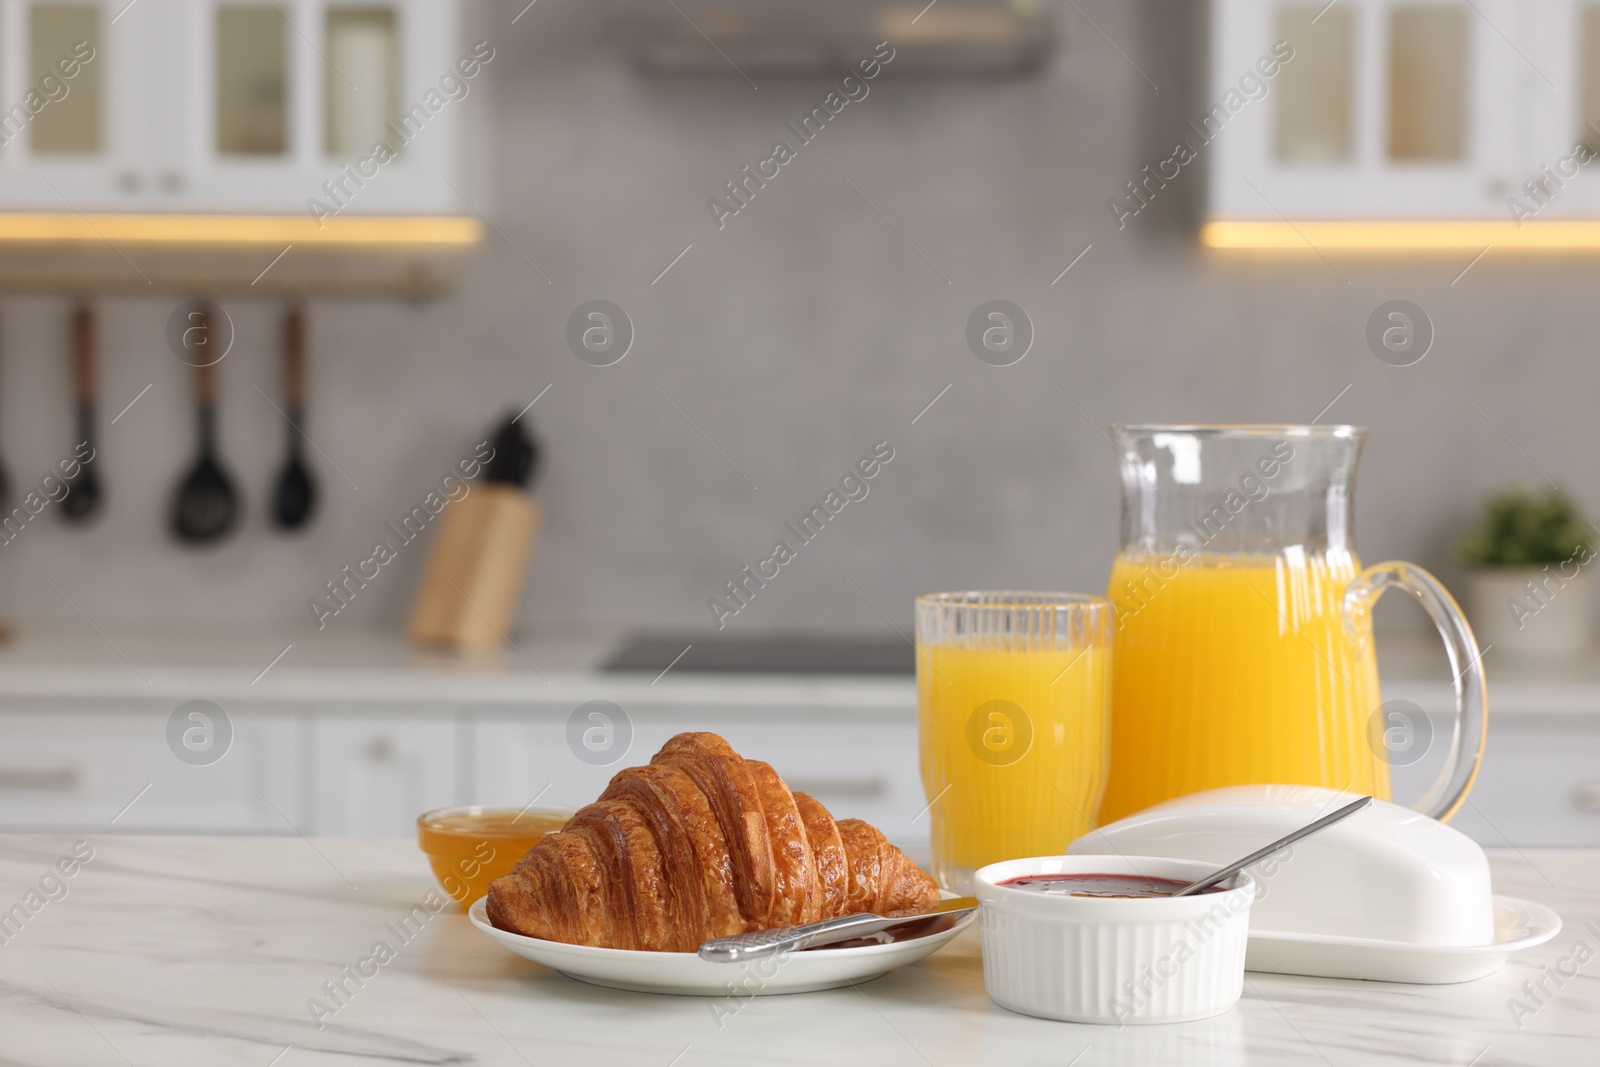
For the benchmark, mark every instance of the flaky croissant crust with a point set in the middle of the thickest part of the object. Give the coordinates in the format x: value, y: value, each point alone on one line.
x: 701, y: 843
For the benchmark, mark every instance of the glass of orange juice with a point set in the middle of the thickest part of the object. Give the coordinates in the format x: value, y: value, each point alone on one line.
x: 1014, y: 706
x: 471, y: 845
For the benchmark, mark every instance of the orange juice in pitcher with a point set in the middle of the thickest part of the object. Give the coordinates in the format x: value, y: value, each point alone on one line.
x: 1243, y: 649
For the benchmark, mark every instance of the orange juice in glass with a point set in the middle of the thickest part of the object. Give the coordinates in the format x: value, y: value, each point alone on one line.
x: 1013, y: 699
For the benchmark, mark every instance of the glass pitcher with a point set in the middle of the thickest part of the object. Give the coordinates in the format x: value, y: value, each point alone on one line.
x: 1243, y: 649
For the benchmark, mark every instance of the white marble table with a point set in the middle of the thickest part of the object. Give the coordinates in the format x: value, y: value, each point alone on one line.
x: 184, y: 950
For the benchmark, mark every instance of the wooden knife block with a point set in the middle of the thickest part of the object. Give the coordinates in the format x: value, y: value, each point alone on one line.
x: 473, y: 581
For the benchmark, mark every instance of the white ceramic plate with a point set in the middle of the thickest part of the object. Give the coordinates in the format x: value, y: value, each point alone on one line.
x: 687, y: 974
x: 1518, y: 924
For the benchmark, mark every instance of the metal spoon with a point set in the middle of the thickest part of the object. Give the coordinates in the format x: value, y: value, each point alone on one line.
x: 206, y: 505
x: 83, y: 491
x: 295, y: 497
x: 1277, y: 846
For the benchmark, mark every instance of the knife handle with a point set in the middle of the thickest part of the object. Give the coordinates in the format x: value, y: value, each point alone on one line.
x: 759, y: 944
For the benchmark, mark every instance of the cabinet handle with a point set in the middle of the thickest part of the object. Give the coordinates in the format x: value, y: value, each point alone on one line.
x: 380, y: 749
x: 172, y: 182
x: 1586, y: 797
x: 59, y: 779
x: 129, y: 181
x: 852, y: 788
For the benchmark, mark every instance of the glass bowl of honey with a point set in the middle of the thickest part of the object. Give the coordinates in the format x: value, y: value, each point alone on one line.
x: 471, y: 845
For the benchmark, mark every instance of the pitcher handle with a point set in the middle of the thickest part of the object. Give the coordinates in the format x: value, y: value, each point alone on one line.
x: 1450, y: 790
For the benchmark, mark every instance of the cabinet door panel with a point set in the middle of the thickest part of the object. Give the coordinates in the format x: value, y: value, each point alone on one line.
x: 82, y: 768
x: 1539, y: 788
x: 232, y: 105
x: 375, y: 773
x: 76, y: 77
x: 1383, y: 111
x: 1562, y: 112
x: 350, y: 72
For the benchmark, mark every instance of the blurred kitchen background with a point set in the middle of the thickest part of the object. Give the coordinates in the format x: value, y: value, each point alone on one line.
x: 769, y: 354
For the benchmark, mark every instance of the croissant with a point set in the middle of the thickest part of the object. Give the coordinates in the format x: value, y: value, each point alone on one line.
x: 701, y: 843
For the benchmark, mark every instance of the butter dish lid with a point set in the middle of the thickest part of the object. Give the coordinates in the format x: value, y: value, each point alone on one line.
x: 1386, y: 873
x: 1388, y: 894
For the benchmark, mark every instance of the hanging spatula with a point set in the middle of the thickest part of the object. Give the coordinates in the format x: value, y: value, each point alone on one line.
x: 83, y: 490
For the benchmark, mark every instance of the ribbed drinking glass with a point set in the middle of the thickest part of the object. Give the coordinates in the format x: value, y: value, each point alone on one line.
x: 1013, y: 697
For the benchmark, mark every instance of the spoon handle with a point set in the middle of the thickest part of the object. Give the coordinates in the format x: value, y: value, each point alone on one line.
x: 1277, y: 846
x: 206, y: 369
x: 83, y: 353
x: 294, y: 355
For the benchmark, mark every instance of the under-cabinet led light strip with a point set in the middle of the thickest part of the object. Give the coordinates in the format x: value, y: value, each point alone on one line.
x: 1408, y: 235
x: 32, y: 228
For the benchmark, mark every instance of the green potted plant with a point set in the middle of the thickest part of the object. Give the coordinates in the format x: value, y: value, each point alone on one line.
x: 1528, y: 579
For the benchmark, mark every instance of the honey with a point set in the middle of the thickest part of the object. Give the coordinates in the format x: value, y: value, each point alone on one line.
x: 472, y: 845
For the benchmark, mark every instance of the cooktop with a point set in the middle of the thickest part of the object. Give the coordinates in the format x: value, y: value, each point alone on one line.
x: 713, y: 653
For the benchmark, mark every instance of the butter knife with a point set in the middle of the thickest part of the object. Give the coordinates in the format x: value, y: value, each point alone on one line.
x: 758, y: 944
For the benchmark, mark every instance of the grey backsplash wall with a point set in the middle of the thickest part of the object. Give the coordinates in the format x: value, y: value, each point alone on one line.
x: 795, y: 338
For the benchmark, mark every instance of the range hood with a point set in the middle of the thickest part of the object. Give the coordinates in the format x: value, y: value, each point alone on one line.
x: 800, y: 37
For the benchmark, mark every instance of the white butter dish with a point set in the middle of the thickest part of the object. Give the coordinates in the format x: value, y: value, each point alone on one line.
x: 1387, y: 894
x: 1518, y: 924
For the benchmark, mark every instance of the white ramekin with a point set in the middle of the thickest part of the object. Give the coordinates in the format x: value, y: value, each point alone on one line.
x: 1098, y: 960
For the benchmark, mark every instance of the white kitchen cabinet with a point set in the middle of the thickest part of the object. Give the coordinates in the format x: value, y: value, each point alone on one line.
x: 348, y: 75
x: 79, y: 766
x: 1539, y: 784
x: 75, y: 83
x: 329, y: 753
x: 244, y: 106
x: 1539, y: 787
x: 376, y: 772
x: 1394, y: 110
x: 860, y: 765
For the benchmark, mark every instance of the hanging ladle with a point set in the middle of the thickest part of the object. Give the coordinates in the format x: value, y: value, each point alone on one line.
x: 206, y: 506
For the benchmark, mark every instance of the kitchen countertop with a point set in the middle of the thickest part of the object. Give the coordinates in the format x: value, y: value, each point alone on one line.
x: 115, y: 662
x: 380, y: 667
x: 184, y: 950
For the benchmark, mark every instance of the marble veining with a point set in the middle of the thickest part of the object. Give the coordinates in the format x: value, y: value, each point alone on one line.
x: 186, y: 950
